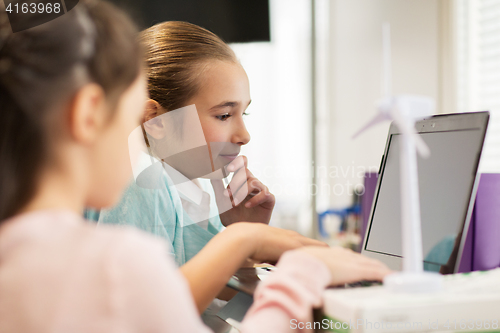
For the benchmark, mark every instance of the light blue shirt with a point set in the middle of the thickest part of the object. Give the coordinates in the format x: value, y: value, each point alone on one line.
x: 162, y: 212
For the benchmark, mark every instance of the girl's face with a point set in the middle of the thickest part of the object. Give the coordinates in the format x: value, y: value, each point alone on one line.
x: 221, y: 102
x: 110, y: 161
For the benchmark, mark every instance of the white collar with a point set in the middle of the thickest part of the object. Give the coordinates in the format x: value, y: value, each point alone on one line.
x: 187, y: 189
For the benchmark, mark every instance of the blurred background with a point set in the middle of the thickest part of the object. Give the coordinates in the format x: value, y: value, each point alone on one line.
x: 315, y: 75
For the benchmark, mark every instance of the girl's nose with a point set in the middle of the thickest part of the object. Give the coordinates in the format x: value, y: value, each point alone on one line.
x: 241, y: 135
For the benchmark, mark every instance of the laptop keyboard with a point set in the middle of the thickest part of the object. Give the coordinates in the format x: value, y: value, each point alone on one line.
x: 363, y: 283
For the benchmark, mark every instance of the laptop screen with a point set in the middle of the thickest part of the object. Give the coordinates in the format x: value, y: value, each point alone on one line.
x: 446, y: 181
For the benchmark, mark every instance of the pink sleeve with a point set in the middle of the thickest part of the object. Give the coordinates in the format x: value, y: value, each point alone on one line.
x: 286, y: 297
x: 150, y: 292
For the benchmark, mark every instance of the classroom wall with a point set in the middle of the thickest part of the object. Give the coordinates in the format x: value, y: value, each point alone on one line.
x: 354, y: 68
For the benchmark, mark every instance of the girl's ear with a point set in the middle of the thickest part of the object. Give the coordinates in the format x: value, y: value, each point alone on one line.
x: 88, y: 113
x: 153, y: 124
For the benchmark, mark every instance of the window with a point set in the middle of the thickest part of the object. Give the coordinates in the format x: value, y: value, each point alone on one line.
x: 478, y: 70
x: 279, y: 115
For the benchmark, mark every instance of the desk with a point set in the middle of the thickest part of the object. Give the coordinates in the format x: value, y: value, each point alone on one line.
x: 469, y: 302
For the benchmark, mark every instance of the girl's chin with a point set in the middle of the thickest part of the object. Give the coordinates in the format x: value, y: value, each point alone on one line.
x: 217, y: 174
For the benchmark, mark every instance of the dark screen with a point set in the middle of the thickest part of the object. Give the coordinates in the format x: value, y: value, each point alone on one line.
x: 235, y: 21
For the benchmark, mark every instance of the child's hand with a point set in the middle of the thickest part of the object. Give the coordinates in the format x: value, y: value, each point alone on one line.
x: 251, y: 200
x: 265, y: 243
x: 347, y: 266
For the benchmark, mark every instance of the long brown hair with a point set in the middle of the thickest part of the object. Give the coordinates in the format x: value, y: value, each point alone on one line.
x: 40, y: 70
x: 175, y: 54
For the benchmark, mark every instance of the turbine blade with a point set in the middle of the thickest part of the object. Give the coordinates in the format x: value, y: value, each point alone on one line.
x: 403, y: 126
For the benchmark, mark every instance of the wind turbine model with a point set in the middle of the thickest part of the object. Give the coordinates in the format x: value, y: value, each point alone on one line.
x: 405, y: 110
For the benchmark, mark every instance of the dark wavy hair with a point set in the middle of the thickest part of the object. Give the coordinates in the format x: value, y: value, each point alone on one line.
x: 41, y: 69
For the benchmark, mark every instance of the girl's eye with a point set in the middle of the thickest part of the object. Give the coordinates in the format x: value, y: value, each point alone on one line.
x: 246, y: 113
x: 223, y: 117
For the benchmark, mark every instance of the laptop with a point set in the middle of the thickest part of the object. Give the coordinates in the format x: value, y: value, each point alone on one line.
x: 448, y: 182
